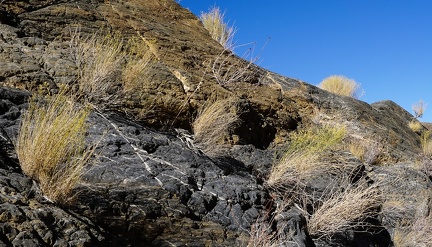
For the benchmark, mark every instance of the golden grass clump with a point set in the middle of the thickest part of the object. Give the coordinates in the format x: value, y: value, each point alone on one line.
x: 99, y: 60
x: 426, y: 143
x: 345, y: 208
x: 220, y: 31
x: 341, y: 85
x: 303, y: 154
x: 213, y: 124
x: 137, y: 65
x: 418, y: 233
x: 415, y: 125
x: 51, y: 144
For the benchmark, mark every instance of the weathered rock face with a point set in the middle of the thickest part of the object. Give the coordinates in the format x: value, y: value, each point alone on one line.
x: 26, y: 218
x: 151, y: 186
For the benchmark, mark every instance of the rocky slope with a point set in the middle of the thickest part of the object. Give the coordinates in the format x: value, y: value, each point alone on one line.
x: 152, y: 186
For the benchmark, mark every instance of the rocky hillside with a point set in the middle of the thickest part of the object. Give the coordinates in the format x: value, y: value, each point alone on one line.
x: 157, y: 179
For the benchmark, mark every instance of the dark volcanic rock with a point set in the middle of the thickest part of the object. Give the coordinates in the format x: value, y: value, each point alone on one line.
x: 26, y: 218
x: 146, y: 179
x: 149, y: 184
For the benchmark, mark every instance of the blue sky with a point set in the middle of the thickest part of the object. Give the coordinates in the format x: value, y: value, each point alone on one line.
x: 385, y: 45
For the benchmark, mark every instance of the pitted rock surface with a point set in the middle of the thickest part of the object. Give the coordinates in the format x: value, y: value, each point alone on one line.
x: 150, y: 185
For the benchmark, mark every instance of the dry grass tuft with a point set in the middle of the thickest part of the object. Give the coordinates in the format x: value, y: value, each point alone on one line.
x: 137, y: 65
x: 426, y: 143
x: 341, y: 85
x: 213, y: 124
x: 50, y: 145
x: 99, y: 61
x: 263, y: 234
x: 345, y: 208
x: 303, y: 154
x: 220, y: 31
x: 415, y: 125
x: 366, y: 150
x: 417, y: 234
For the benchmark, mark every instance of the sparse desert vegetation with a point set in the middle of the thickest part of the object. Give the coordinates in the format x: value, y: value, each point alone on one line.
x: 99, y: 60
x: 303, y: 153
x: 419, y: 108
x: 426, y: 143
x: 213, y: 124
x: 51, y: 144
x: 197, y: 145
x: 345, y: 207
x: 219, y: 30
x: 415, y: 125
x: 367, y: 150
x: 416, y: 233
x: 341, y: 85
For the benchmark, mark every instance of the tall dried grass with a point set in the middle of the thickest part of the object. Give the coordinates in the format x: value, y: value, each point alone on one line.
x: 303, y: 154
x: 139, y: 59
x: 426, y: 143
x: 213, y: 124
x: 227, y: 69
x: 99, y: 60
x: 347, y: 207
x: 51, y: 144
x: 219, y: 30
x: 416, y: 234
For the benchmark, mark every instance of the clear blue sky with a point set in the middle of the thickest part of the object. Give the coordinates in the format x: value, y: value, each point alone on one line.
x: 385, y: 45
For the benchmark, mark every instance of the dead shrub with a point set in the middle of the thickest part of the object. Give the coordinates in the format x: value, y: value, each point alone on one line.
x: 419, y: 108
x: 346, y: 207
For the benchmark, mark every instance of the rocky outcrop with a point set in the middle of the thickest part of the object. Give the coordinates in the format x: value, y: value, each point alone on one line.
x: 149, y: 185
x: 26, y: 217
